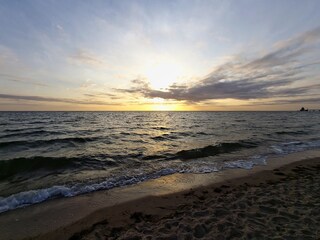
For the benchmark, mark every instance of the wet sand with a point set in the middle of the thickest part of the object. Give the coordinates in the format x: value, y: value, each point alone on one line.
x: 277, y: 201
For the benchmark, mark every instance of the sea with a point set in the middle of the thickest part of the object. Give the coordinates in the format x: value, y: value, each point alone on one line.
x: 47, y: 155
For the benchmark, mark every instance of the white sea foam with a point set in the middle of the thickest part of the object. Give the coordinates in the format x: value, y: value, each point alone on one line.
x: 36, y: 196
x: 247, y: 164
x: 33, y: 196
x: 294, y: 146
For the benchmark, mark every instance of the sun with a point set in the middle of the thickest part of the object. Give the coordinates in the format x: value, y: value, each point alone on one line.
x: 162, y: 74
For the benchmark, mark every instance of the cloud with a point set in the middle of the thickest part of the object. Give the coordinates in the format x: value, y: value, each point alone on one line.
x: 59, y: 27
x: 87, y: 58
x: 7, y: 55
x: 88, y: 83
x: 310, y: 100
x: 303, y: 100
x: 288, y: 51
x: 102, y: 95
x: 24, y: 80
x: 50, y: 99
x: 275, y: 74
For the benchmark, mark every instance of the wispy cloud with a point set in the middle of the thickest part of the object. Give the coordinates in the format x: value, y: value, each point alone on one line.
x: 51, y: 99
x: 86, y: 57
x: 22, y: 80
x: 7, y: 55
x: 275, y: 74
x: 289, y: 50
x: 88, y: 83
x: 102, y: 95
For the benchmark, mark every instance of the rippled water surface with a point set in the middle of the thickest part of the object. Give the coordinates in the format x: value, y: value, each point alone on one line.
x: 59, y: 154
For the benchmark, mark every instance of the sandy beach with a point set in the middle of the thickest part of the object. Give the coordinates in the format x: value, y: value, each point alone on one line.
x: 277, y: 201
x: 277, y: 204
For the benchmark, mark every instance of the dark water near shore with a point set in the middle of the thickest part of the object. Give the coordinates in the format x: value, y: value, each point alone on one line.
x: 60, y: 154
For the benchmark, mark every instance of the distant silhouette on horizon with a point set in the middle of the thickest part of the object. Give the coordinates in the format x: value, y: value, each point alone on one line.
x: 303, y: 109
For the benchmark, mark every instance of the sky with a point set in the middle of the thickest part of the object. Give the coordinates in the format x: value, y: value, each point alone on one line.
x: 159, y: 55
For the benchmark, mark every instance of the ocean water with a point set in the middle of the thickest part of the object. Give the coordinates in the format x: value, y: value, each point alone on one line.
x: 45, y: 155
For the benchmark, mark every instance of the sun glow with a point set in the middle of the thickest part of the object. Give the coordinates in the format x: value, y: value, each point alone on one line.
x: 162, y: 74
x: 162, y: 107
x: 159, y: 104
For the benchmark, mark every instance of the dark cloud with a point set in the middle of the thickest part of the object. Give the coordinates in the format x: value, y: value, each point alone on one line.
x: 99, y: 95
x: 102, y: 95
x: 303, y: 100
x: 273, y: 75
x: 309, y: 100
x: 49, y: 99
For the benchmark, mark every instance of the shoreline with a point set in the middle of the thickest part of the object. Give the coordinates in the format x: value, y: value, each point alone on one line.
x: 67, y: 217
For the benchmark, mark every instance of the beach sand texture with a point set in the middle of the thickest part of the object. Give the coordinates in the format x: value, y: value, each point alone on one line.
x: 278, y: 204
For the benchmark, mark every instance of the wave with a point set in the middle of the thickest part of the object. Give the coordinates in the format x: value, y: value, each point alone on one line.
x: 202, y: 133
x: 9, y: 168
x: 30, y: 133
x: 161, y: 128
x: 214, y: 150
x: 153, y: 157
x: 26, y: 198
x: 295, y: 146
x: 178, y: 135
x: 22, y: 129
x: 36, y: 196
x: 36, y: 143
x: 165, y: 168
x: 163, y: 137
x: 206, y: 151
x: 299, y: 132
